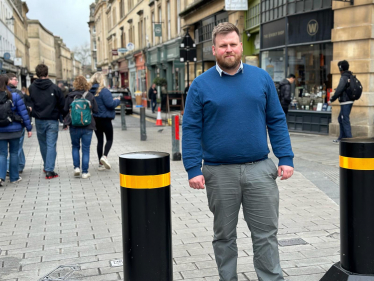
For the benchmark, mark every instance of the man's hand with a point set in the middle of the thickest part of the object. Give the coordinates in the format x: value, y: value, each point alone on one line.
x: 329, y: 102
x: 30, y: 108
x: 29, y: 134
x: 197, y: 182
x: 285, y: 172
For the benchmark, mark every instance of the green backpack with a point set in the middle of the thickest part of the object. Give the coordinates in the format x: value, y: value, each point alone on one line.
x: 80, y: 111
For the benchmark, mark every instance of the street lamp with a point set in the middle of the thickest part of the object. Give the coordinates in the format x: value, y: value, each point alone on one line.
x: 10, y: 21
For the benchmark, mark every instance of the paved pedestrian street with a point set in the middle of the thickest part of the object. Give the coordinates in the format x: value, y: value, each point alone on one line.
x: 70, y: 221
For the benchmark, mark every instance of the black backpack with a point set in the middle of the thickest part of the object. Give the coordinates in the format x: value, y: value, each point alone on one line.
x: 354, y: 89
x: 6, y: 113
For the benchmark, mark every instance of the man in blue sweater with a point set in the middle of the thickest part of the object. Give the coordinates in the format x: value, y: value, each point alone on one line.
x: 230, y: 108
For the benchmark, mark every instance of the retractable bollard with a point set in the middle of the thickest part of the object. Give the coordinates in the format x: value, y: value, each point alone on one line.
x: 176, y: 153
x: 143, y: 132
x: 356, y: 212
x: 123, y: 119
x: 146, y: 216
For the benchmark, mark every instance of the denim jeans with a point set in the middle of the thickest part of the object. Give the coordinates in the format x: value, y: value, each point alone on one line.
x: 77, y: 136
x: 47, y: 132
x: 13, y: 151
x: 153, y: 104
x: 343, y: 119
x: 21, y: 154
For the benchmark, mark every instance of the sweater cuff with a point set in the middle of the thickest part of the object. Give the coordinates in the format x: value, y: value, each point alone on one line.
x: 194, y: 172
x: 287, y: 161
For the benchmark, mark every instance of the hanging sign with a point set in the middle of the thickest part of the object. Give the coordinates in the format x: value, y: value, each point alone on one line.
x: 115, y: 52
x: 158, y: 29
x: 122, y: 50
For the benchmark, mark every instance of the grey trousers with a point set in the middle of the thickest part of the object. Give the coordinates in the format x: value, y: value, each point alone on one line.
x: 254, y: 187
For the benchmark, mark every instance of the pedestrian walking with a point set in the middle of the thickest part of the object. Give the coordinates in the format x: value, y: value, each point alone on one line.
x: 345, y: 102
x: 47, y: 106
x: 81, y: 102
x: 152, y: 95
x: 285, y: 92
x: 103, y: 118
x: 229, y: 110
x: 12, y: 87
x: 13, y: 116
x: 64, y: 90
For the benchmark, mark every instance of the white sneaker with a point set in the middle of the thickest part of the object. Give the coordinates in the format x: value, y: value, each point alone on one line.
x: 101, y: 168
x: 104, y: 161
x: 85, y: 175
x: 77, y: 172
x: 1, y: 182
x: 19, y: 179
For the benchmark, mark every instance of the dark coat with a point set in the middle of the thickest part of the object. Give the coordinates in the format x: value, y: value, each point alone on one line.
x: 151, y: 94
x: 47, y: 100
x: 19, y: 108
x: 94, y: 108
x: 340, y: 92
x: 285, y: 92
x: 105, y: 103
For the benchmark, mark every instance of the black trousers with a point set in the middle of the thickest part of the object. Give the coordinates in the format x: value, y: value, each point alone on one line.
x: 285, y: 109
x: 104, y: 126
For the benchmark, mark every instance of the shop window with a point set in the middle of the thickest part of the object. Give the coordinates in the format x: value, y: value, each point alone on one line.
x: 253, y: 17
x: 300, y: 6
x: 273, y: 63
x: 311, y: 66
x: 272, y: 10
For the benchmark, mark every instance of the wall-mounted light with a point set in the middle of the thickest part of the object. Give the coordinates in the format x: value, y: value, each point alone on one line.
x: 10, y: 21
x: 248, y: 35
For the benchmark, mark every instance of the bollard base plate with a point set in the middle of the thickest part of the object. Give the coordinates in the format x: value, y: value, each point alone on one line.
x: 337, y: 273
x: 177, y: 156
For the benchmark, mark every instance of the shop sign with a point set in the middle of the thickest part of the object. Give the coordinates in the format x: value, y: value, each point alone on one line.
x: 274, y: 34
x: 114, y: 52
x: 130, y: 46
x: 310, y: 27
x: 236, y: 5
x: 122, y: 50
x: 158, y: 29
x: 18, y: 61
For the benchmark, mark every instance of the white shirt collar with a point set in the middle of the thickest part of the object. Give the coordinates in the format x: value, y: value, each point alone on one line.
x: 220, y: 71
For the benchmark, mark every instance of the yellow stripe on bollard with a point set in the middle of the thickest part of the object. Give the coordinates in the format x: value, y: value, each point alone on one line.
x: 356, y: 163
x: 145, y: 182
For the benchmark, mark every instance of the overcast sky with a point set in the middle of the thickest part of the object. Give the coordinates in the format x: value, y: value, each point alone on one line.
x: 65, y: 18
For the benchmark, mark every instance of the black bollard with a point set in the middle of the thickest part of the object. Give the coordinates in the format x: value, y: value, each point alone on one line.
x: 143, y: 132
x: 123, y: 119
x: 146, y: 216
x: 356, y: 212
x: 175, y: 139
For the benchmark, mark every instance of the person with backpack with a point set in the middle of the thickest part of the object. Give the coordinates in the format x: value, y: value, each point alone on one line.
x: 81, y: 104
x: 13, y: 116
x: 103, y: 118
x: 284, y: 92
x: 47, y: 106
x: 348, y: 90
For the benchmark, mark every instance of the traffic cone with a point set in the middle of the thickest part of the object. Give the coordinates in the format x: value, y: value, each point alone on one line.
x: 159, y: 120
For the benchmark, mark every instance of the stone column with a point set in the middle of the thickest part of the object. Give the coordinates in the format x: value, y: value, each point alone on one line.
x: 352, y: 37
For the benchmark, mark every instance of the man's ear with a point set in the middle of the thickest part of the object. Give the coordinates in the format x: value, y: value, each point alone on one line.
x: 213, y: 50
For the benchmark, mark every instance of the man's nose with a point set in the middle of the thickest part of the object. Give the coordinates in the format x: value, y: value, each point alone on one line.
x: 228, y: 49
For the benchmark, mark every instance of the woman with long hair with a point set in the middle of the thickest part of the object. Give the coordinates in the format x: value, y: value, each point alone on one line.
x: 80, y: 133
x: 103, y: 118
x: 13, y: 116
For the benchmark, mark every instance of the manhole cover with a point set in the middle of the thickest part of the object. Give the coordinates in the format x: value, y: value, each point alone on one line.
x: 291, y: 242
x: 115, y: 263
x: 60, y: 273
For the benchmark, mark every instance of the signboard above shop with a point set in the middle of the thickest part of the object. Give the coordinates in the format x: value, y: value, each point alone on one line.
x: 310, y: 27
x: 273, y: 34
x: 236, y: 5
x: 122, y: 50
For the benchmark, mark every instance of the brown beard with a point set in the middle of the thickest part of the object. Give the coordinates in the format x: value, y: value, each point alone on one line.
x: 229, y: 64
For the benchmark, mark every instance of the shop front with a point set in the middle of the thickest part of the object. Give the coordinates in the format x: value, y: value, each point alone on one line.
x: 305, y: 50
x: 251, y: 36
x: 123, y: 73
x: 141, y: 81
x: 132, y: 74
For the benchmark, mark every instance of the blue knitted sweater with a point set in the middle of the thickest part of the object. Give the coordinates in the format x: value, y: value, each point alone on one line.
x: 226, y: 118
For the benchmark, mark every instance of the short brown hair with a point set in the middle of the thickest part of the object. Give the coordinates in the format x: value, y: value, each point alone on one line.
x: 41, y: 70
x: 224, y: 28
x: 80, y: 84
x: 11, y: 76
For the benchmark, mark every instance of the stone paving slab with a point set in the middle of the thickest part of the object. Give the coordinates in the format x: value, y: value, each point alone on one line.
x: 67, y: 220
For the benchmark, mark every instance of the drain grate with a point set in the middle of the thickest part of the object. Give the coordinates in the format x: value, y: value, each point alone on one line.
x: 60, y: 273
x: 115, y: 263
x: 292, y: 242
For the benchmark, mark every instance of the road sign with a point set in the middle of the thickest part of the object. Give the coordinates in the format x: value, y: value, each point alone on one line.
x: 6, y: 56
x: 122, y: 50
x: 130, y: 46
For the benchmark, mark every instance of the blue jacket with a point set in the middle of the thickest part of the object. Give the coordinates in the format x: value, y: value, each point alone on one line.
x: 19, y: 108
x: 105, y: 103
